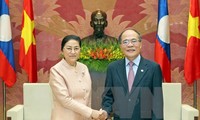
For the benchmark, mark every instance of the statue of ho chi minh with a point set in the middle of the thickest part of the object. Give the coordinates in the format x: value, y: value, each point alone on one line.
x: 99, y: 23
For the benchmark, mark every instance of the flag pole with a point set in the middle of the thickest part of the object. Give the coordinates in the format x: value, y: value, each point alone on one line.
x: 195, y: 94
x: 4, y: 100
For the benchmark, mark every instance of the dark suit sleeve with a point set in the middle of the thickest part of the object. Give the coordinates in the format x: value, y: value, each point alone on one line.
x: 157, y: 94
x: 107, y: 96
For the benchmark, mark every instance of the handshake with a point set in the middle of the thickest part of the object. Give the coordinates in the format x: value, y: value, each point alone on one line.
x: 99, y: 114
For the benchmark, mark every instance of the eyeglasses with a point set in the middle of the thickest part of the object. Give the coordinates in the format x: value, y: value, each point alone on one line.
x: 69, y: 49
x: 133, y: 41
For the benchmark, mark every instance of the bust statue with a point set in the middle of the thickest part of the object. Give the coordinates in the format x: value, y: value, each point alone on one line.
x: 99, y: 23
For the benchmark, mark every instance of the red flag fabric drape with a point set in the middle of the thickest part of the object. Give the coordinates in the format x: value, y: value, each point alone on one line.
x: 27, y: 55
x: 192, y: 56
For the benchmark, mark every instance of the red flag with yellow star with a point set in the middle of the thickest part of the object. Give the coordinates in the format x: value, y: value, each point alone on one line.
x: 27, y: 55
x: 192, y: 57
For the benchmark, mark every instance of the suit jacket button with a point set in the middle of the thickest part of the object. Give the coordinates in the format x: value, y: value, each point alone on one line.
x: 129, y: 100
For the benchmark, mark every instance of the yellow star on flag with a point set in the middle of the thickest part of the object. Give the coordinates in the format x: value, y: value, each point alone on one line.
x: 27, y: 32
x: 193, y: 27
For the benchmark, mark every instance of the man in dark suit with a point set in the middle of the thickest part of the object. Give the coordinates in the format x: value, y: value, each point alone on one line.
x: 133, y: 86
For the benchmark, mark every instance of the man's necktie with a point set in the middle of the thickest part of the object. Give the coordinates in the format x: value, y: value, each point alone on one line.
x: 130, y: 75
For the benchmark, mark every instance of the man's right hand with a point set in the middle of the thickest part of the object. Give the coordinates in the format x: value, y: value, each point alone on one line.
x: 104, y: 115
x: 96, y: 114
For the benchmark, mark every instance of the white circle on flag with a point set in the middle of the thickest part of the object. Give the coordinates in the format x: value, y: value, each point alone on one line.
x: 5, y: 28
x: 163, y: 29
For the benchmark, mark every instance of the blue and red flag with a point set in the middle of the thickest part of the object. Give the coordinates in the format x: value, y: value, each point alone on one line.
x: 7, y: 64
x: 162, y: 44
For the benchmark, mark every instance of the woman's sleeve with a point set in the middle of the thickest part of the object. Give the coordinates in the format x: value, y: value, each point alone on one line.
x: 61, y: 93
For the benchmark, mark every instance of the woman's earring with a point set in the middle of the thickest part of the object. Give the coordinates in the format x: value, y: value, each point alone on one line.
x: 61, y: 55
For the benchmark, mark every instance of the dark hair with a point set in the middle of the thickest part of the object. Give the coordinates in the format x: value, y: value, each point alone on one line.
x: 68, y: 38
x: 120, y: 36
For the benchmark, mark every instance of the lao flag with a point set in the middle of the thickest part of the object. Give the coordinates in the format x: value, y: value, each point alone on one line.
x: 7, y: 64
x: 162, y: 44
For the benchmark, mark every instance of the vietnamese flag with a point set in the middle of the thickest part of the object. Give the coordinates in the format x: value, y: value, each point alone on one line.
x: 27, y: 55
x: 192, y: 56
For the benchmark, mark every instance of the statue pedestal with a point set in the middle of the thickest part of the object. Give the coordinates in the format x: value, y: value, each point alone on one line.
x: 98, y: 82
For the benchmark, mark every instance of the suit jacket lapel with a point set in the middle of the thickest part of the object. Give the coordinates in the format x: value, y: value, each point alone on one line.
x: 142, y: 69
x: 121, y: 72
